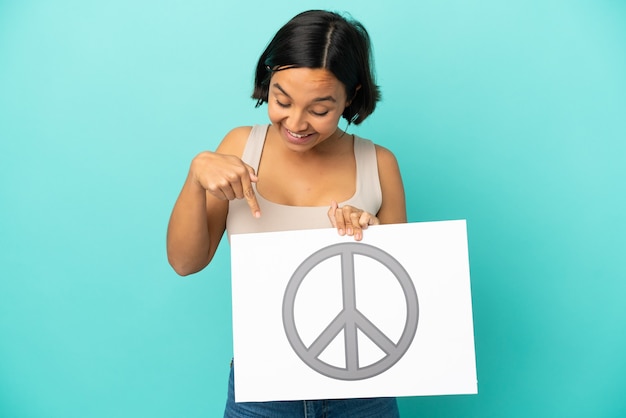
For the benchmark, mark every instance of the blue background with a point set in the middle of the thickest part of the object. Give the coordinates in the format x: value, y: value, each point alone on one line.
x: 508, y: 114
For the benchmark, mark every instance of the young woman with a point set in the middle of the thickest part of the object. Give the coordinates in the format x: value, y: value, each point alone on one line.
x: 299, y: 172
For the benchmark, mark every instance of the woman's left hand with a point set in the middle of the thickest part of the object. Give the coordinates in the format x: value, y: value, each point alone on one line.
x: 350, y: 221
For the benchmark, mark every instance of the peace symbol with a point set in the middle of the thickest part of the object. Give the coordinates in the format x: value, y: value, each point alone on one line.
x: 350, y: 319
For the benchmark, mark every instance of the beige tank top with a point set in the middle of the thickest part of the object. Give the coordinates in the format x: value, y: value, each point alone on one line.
x: 277, y: 217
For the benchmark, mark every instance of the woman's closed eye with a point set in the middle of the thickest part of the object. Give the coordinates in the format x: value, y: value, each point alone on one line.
x: 319, y: 113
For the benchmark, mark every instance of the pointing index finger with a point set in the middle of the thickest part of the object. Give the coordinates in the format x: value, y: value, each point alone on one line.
x: 249, y: 194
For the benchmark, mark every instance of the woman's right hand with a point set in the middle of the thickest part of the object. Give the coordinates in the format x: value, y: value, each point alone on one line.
x: 198, y: 219
x: 225, y: 177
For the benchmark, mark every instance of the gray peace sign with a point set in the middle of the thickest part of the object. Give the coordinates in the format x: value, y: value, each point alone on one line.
x: 350, y: 319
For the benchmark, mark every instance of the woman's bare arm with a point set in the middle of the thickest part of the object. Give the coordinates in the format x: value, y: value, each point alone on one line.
x: 198, y: 219
x: 393, y: 208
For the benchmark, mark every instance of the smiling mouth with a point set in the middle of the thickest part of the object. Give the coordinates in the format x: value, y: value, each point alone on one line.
x: 295, y: 135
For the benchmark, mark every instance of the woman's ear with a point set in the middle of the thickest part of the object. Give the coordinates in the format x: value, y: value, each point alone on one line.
x: 356, y: 90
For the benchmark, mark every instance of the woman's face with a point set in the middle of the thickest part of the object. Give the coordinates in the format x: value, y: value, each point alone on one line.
x: 305, y: 105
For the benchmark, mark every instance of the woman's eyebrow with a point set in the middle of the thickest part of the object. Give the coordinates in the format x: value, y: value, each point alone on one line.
x: 276, y: 85
x: 318, y: 99
x: 325, y: 99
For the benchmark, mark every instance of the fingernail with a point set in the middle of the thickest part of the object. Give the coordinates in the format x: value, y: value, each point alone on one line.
x: 341, y: 232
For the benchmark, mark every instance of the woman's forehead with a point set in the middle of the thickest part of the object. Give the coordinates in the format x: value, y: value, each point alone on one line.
x: 294, y: 81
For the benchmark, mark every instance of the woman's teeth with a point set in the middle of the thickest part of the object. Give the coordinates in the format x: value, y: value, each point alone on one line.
x: 295, y: 135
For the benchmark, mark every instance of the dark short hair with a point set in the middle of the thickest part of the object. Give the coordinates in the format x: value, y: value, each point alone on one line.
x: 322, y: 39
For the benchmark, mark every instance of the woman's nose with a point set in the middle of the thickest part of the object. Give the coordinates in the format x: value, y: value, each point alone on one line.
x: 297, y: 121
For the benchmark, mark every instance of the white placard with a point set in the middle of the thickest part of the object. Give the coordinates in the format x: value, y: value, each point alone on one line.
x: 320, y: 316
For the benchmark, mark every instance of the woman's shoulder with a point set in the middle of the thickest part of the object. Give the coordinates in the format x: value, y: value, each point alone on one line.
x: 384, y: 154
x: 238, y: 134
x: 235, y: 140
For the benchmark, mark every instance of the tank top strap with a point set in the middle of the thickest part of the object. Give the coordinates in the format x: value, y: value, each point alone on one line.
x: 254, y: 147
x: 368, y: 182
